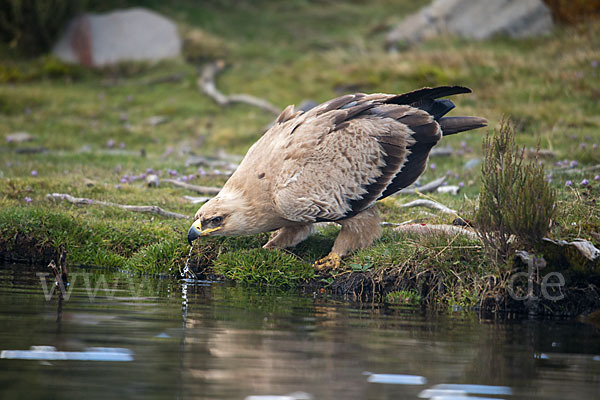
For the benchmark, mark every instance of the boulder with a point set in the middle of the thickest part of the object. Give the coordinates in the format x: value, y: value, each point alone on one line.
x: 474, y: 19
x: 135, y: 34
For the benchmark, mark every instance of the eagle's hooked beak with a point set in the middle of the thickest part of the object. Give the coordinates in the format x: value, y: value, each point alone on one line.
x: 196, y: 231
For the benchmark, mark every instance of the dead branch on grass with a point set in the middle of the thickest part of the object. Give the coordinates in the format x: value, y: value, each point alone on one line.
x: 207, y: 83
x: 194, y: 188
x: 427, y: 188
x: 429, y: 204
x: 450, y: 230
x: 143, y: 209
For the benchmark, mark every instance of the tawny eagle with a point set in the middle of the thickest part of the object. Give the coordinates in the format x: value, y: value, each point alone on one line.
x: 332, y: 163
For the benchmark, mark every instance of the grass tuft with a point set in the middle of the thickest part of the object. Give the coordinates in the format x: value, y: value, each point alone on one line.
x: 260, y: 266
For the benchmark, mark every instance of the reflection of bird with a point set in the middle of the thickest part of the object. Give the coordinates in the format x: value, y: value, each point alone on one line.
x: 332, y: 163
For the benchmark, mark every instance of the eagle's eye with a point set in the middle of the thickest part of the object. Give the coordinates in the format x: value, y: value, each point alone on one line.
x: 216, y: 220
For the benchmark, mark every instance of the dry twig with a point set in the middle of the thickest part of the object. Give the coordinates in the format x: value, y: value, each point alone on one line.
x: 427, y: 188
x: 195, y: 188
x: 206, y: 83
x: 142, y: 209
x: 429, y: 204
x: 450, y: 230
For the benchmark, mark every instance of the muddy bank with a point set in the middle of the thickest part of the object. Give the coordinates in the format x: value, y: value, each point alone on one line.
x: 432, y: 283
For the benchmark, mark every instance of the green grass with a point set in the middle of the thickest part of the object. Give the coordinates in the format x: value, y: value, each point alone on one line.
x: 284, y: 52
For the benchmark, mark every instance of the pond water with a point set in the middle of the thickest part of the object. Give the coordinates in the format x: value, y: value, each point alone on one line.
x: 121, y: 336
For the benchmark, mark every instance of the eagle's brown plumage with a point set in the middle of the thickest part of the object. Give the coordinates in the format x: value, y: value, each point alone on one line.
x: 332, y: 163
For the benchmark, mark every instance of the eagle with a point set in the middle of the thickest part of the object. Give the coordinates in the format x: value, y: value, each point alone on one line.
x: 332, y: 163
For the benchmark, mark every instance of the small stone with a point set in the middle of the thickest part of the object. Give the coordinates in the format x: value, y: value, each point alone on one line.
x: 19, y: 137
x: 89, y: 183
x: 156, y: 120
x: 152, y: 180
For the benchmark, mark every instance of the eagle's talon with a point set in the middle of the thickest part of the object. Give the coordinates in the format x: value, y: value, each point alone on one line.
x: 330, y: 262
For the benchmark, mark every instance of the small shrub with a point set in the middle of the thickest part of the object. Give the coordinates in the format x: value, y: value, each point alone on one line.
x: 516, y: 202
x: 200, y: 46
x: 572, y: 11
x: 33, y: 25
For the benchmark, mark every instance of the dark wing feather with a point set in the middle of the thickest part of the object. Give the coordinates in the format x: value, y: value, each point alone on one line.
x: 427, y: 93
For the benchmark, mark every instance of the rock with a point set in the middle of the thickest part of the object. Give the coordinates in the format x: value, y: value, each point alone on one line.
x: 451, y: 189
x: 89, y: 183
x: 134, y: 34
x: 156, y: 120
x: 474, y: 19
x: 472, y: 163
x: 152, y: 180
x: 19, y: 137
x: 579, y: 255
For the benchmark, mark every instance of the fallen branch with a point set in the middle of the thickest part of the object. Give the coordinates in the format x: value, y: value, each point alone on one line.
x: 143, y: 209
x: 429, y: 204
x: 206, y: 83
x: 450, y: 230
x: 427, y: 188
x: 441, y: 151
x: 195, y: 188
x: 569, y: 170
x: 197, y: 200
x: 386, y: 223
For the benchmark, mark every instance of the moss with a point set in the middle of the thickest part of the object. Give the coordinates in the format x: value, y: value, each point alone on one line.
x: 260, y: 266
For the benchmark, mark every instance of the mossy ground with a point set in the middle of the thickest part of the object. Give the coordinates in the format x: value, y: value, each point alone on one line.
x: 93, y: 126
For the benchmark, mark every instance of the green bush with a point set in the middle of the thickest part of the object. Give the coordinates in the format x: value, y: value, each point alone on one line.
x: 573, y: 11
x: 32, y: 26
x: 516, y: 202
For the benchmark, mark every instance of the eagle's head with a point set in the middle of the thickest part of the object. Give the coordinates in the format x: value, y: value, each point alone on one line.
x: 228, y: 214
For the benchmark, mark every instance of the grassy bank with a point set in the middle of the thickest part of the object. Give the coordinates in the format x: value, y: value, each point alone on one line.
x: 93, y: 137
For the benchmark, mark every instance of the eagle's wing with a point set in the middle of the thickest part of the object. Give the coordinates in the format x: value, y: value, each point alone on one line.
x: 342, y: 156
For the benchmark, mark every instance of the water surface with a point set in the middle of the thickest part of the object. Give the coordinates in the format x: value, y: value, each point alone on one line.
x: 162, y: 338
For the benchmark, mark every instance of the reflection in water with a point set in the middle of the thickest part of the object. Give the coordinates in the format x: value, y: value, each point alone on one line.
x: 50, y: 353
x: 214, y: 341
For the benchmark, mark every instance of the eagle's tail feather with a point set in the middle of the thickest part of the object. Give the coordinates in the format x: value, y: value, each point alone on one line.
x: 452, y: 125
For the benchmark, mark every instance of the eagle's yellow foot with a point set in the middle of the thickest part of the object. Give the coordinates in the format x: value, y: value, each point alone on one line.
x: 330, y: 262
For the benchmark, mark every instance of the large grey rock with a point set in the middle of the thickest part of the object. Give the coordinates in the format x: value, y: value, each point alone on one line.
x: 134, y: 34
x: 476, y: 19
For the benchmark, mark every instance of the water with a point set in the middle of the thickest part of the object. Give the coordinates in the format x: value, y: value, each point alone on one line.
x: 129, y: 337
